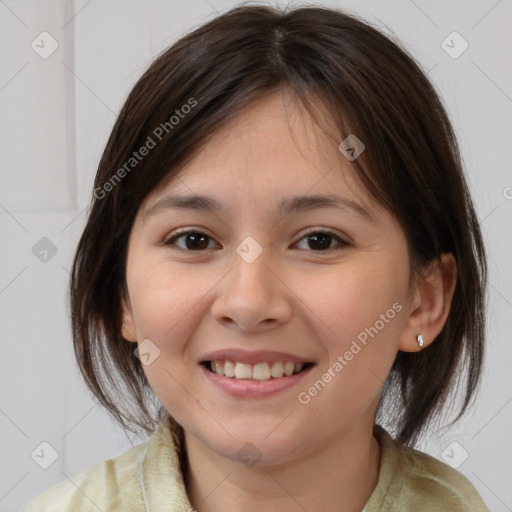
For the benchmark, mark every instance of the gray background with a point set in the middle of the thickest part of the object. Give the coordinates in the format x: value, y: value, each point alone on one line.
x: 56, y: 114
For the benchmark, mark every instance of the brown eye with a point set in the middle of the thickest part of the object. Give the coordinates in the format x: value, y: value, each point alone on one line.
x: 194, y: 241
x: 320, y: 241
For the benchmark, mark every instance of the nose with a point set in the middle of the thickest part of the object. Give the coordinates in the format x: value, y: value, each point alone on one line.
x: 253, y: 296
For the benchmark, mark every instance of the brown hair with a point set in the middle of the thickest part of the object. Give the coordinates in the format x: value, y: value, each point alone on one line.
x: 371, y: 87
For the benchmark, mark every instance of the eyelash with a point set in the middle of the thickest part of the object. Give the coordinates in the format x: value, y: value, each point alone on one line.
x: 180, y: 234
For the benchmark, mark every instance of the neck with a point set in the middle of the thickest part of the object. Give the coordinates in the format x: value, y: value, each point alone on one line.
x: 340, y: 475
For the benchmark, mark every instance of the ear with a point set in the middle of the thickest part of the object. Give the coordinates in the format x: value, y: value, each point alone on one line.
x: 430, y: 304
x: 128, y: 324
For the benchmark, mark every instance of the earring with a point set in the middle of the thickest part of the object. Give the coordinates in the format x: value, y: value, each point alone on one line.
x: 419, y: 339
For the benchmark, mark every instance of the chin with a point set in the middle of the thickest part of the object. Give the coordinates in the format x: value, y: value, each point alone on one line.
x: 261, y: 449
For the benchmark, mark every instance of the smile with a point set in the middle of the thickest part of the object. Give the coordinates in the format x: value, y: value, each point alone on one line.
x: 262, y: 371
x: 246, y: 374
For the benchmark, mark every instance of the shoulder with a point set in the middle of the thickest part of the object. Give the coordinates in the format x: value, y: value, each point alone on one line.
x: 413, y: 480
x: 110, y: 485
x: 432, y: 481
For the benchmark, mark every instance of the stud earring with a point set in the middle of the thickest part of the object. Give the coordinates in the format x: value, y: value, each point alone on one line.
x: 419, y: 339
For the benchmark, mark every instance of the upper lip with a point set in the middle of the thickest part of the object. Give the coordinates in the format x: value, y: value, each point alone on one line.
x: 252, y: 357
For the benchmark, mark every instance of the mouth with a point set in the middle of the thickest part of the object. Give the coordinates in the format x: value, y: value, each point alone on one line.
x: 246, y: 374
x: 260, y: 372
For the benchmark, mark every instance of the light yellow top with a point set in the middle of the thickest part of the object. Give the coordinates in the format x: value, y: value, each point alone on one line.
x: 147, y: 478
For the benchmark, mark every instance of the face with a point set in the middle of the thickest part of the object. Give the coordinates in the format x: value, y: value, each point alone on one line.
x: 274, y: 326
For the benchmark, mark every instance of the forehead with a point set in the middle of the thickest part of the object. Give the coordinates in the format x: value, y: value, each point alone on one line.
x: 274, y: 132
x: 271, y: 149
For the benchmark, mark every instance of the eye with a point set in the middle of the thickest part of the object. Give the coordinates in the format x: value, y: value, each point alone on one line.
x: 196, y: 241
x: 321, y: 239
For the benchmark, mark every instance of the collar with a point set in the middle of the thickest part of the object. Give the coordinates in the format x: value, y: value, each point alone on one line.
x: 160, y: 475
x: 162, y: 482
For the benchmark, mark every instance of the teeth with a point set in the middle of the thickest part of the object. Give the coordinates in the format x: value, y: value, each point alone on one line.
x: 217, y: 368
x: 277, y: 369
x: 229, y: 369
x: 288, y: 368
x: 260, y: 371
x: 243, y: 371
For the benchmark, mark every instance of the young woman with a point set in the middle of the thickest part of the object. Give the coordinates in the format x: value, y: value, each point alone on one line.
x: 280, y: 255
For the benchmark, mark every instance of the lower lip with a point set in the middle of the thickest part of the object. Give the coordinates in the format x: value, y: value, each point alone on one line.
x: 241, y: 388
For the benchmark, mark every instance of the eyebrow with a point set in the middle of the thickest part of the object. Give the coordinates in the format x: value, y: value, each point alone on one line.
x: 291, y: 205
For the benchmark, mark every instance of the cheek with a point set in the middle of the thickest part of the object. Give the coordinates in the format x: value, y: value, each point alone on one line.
x: 169, y: 303
x: 352, y: 300
x: 364, y: 324
x: 160, y: 297
x: 163, y: 299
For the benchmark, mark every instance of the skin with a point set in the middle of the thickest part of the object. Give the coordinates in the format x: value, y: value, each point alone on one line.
x: 293, y: 298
